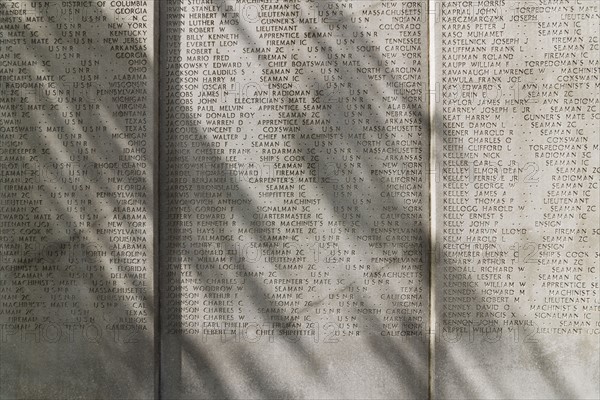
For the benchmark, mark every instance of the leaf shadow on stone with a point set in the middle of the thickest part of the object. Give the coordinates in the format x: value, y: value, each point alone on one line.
x: 86, y: 352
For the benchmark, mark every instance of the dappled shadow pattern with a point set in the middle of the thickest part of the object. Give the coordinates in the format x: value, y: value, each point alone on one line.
x: 332, y: 362
x: 74, y: 323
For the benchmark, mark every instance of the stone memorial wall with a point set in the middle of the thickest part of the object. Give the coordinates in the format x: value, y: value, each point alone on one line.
x: 77, y: 199
x: 349, y: 199
x: 296, y: 206
x: 517, y: 129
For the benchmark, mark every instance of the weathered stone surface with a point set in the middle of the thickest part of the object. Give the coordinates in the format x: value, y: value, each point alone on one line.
x: 296, y: 233
x: 299, y: 200
x: 76, y: 200
x: 516, y: 277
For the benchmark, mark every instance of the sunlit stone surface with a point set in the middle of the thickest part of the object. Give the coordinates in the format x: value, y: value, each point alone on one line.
x: 300, y: 209
x: 76, y: 200
x: 295, y: 258
x: 516, y: 276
